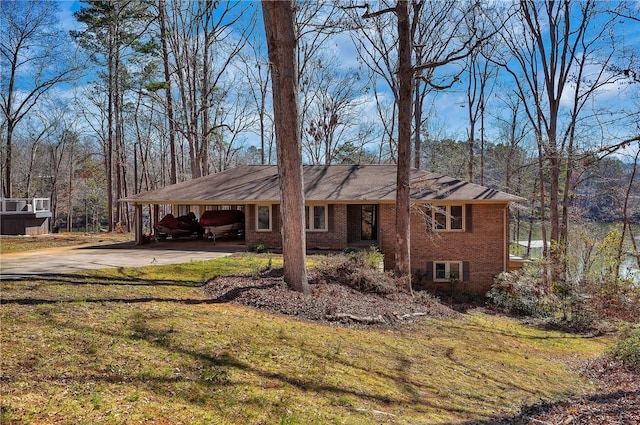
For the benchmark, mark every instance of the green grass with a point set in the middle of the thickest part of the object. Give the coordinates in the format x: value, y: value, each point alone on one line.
x: 144, y: 345
x: 192, y: 273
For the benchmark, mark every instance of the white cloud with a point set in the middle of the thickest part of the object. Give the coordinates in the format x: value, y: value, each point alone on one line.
x: 66, y: 20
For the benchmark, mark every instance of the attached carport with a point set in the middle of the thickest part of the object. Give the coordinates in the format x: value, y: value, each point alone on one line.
x: 238, y: 187
x: 176, y: 205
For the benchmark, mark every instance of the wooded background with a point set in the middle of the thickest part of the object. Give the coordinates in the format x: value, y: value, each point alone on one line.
x: 141, y: 94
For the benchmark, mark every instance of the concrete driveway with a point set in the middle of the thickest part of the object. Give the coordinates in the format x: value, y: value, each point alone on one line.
x: 69, y: 259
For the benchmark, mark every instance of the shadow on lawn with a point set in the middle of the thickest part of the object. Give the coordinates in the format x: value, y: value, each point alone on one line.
x: 32, y: 301
x: 450, y: 354
x: 219, y: 367
x: 559, y: 334
x: 79, y: 279
x: 75, y: 279
x: 417, y: 392
x: 225, y: 363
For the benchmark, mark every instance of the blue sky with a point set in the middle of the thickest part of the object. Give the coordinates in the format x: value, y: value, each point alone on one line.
x: 450, y: 118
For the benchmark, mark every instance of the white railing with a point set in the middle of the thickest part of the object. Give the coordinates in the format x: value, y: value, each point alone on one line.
x: 25, y: 205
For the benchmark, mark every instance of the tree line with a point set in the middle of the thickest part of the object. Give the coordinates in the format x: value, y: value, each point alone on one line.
x: 145, y: 93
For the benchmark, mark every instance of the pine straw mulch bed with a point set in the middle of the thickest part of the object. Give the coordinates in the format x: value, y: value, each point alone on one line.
x: 345, y: 294
x: 351, y: 294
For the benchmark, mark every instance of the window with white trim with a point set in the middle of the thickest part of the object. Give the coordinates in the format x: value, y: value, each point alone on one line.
x: 316, y: 217
x: 446, y: 271
x: 447, y: 218
x: 264, y: 218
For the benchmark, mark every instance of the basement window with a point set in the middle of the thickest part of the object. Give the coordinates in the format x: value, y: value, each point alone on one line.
x: 446, y: 271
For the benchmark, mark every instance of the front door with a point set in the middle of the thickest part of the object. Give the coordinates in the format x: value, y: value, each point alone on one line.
x: 369, y: 222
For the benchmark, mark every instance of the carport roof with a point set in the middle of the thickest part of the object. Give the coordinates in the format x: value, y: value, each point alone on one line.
x: 323, y: 183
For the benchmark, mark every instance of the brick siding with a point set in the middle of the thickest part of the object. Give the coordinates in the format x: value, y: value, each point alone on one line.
x: 483, y: 247
x: 272, y: 239
x: 335, y: 238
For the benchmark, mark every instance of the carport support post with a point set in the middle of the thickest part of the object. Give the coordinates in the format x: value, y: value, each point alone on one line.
x: 156, y: 218
x: 138, y: 223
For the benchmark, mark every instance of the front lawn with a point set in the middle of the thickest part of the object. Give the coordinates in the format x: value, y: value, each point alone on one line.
x: 145, y: 345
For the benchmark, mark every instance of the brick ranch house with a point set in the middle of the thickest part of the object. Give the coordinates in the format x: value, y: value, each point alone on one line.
x: 459, y: 230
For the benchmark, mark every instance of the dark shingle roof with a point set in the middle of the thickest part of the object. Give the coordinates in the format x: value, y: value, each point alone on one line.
x: 336, y: 183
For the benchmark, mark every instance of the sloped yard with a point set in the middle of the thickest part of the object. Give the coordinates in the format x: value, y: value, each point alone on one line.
x: 615, y: 400
x: 148, y: 345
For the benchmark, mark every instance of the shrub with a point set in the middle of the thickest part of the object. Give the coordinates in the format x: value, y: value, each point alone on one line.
x: 373, y: 257
x: 259, y: 249
x: 521, y: 293
x: 583, y: 320
x: 458, y: 293
x: 359, y: 271
x: 582, y: 315
x: 627, y: 350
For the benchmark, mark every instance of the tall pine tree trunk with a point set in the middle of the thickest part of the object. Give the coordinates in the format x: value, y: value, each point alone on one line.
x: 169, y: 98
x: 281, y: 42
x: 405, y: 76
x: 110, y: 110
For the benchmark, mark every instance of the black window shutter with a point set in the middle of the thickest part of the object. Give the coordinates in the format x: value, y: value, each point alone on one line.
x: 429, y: 271
x: 465, y: 271
x: 468, y: 218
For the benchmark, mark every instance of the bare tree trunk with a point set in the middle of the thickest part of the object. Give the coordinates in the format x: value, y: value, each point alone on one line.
x: 531, y: 220
x: 120, y: 154
x: 169, y: 98
x: 205, y: 93
x: 419, y: 96
x: 482, y: 140
x: 32, y: 162
x: 405, y: 77
x: 472, y: 142
x: 420, y: 89
x: 138, y: 176
x: 7, y: 163
x: 109, y: 148
x: 194, y: 147
x: 261, y: 113
x: 625, y: 217
x: 70, y: 200
x: 281, y: 42
x: 543, y: 200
